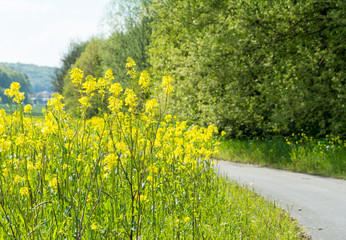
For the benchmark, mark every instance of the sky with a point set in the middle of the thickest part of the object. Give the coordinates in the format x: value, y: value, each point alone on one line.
x: 40, y: 31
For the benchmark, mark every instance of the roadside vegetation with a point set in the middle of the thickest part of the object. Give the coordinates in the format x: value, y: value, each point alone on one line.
x: 298, y: 152
x: 36, y: 111
x: 132, y: 172
x: 103, y: 162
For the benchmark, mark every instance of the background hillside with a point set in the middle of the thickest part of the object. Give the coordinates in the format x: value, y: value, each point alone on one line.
x: 7, y: 76
x: 39, y: 76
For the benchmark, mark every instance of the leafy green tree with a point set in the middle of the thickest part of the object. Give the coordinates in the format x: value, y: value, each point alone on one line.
x: 130, y: 33
x: 254, y: 67
x: 90, y: 61
x: 74, y: 51
x: 131, y: 30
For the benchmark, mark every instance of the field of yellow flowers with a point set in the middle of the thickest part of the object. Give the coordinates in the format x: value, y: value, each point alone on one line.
x: 134, y: 172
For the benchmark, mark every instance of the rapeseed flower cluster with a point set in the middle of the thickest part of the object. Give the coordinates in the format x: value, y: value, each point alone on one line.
x: 76, y: 76
x: 115, y: 172
x: 167, y: 84
x: 130, y: 64
x: 144, y: 80
x: 13, y: 91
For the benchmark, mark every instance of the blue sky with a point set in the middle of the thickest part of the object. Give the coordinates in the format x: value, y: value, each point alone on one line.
x: 39, y: 31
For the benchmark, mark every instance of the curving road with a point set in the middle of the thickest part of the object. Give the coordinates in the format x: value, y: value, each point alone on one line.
x: 318, y: 203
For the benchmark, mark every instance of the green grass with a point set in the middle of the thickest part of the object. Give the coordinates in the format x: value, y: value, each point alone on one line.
x: 36, y: 110
x: 326, y: 157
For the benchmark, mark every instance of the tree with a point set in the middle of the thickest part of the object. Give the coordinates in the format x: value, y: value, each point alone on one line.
x: 74, y: 51
x: 130, y: 24
x: 7, y: 76
x: 254, y: 67
x: 90, y: 61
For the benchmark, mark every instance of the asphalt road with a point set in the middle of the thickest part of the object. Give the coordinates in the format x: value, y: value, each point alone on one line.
x: 318, y: 203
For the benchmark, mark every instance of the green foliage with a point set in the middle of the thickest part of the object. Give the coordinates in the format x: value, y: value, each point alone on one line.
x: 7, y: 76
x: 74, y: 51
x: 90, y: 60
x: 325, y: 156
x: 121, y: 15
x: 39, y: 76
x: 36, y: 110
x: 130, y: 22
x: 254, y: 67
x: 131, y: 30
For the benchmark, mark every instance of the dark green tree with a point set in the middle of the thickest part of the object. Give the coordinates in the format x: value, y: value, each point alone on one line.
x: 254, y: 67
x: 131, y: 30
x: 7, y: 76
x: 74, y: 51
x: 90, y: 61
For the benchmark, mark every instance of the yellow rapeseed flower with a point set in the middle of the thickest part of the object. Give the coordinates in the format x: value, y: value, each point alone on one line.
x: 18, y: 97
x: 130, y: 62
x: 95, y: 226
x: 14, y: 91
x: 166, y: 84
x: 53, y: 182
x: 144, y: 80
x: 115, y: 104
x: 15, y: 86
x: 27, y: 108
x: 19, y: 140
x: 143, y: 198
x: 150, y: 106
x: 55, y: 102
x: 89, y: 85
x: 132, y: 73
x: 168, y: 118
x: 150, y: 178
x: 18, y: 179
x: 131, y: 98
x: 76, y: 76
x: 102, y: 84
x: 84, y: 101
x: 109, y: 75
x: 111, y: 160
x: 24, y: 191
x: 8, y: 92
x: 116, y: 89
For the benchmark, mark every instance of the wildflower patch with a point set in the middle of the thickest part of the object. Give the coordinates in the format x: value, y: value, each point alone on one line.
x: 133, y: 172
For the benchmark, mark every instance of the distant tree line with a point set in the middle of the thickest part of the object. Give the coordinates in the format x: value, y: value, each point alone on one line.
x: 39, y: 76
x: 7, y: 76
x: 253, y: 68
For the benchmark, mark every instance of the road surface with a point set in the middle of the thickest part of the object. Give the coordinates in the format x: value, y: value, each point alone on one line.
x: 318, y: 203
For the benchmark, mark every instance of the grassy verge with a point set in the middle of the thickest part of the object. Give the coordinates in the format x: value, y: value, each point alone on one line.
x: 178, y: 200
x: 130, y: 174
x: 36, y: 110
x: 326, y: 157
